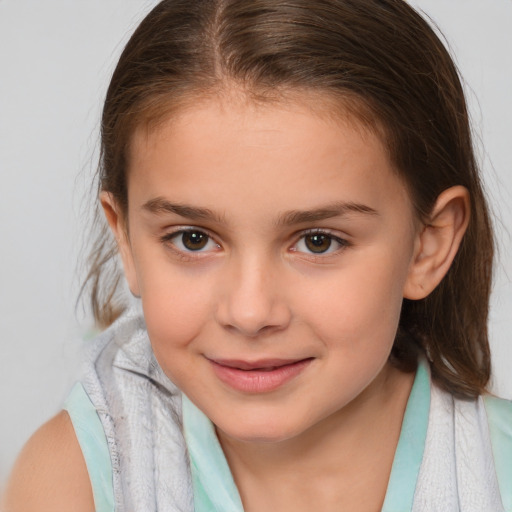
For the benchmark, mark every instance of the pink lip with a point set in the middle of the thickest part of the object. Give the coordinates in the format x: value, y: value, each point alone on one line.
x: 258, y: 376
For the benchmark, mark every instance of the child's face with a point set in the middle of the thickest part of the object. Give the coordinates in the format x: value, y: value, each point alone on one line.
x: 271, y: 248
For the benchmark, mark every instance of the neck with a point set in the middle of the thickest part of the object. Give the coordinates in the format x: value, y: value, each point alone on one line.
x: 344, y: 459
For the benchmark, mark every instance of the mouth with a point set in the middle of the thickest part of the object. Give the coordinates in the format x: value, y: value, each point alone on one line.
x: 259, y: 376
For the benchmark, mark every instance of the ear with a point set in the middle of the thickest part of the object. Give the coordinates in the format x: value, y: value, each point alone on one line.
x: 437, y: 242
x: 118, y: 225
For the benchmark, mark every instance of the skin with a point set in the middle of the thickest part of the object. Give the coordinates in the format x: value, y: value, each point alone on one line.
x: 282, y: 174
x: 50, y: 473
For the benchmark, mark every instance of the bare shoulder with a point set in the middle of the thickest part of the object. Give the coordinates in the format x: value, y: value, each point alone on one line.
x: 50, y: 473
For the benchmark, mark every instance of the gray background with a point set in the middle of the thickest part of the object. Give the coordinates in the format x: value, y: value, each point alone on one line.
x: 55, y: 60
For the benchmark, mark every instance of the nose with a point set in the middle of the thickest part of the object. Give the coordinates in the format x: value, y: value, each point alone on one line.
x: 251, y: 300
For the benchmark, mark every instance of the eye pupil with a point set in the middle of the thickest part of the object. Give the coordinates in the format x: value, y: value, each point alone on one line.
x: 194, y: 240
x: 318, y: 243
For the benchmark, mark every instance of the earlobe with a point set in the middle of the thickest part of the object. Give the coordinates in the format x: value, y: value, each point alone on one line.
x: 437, y: 242
x: 117, y: 224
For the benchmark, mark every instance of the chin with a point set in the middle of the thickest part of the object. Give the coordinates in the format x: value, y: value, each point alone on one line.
x: 267, y: 431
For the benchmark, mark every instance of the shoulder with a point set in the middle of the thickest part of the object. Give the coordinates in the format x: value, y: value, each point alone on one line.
x: 497, y: 407
x: 50, y: 473
x: 499, y: 418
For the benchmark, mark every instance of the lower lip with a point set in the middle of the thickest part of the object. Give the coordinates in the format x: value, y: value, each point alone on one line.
x: 259, y: 381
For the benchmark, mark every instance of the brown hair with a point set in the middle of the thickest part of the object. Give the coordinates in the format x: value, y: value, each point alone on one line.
x: 379, y: 55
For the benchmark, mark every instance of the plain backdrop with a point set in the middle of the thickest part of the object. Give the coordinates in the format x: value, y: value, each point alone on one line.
x: 56, y: 58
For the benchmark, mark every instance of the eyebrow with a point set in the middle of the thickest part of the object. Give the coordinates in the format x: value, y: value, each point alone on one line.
x: 160, y: 205
x: 329, y: 211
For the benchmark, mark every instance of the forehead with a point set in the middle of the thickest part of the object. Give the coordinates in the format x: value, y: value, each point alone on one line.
x: 249, y: 103
x: 222, y: 151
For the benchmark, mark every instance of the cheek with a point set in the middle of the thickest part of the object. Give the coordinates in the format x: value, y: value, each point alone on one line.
x: 176, y: 309
x: 359, y: 309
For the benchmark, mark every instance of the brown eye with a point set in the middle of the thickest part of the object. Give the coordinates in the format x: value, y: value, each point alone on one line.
x: 318, y: 243
x: 194, y: 240
x: 190, y: 240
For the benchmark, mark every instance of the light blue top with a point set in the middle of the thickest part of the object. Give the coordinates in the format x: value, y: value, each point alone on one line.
x: 213, y: 485
x: 499, y: 416
x: 92, y: 440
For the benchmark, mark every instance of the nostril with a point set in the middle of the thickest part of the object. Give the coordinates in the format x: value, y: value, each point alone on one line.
x: 251, y: 332
x: 273, y: 319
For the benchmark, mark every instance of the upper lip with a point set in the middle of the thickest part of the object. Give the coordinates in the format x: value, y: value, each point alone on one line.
x: 257, y: 364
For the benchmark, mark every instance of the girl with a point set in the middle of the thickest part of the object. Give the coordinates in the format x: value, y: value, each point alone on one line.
x: 293, y: 194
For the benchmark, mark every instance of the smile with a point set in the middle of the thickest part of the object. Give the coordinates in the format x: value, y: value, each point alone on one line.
x: 258, y: 376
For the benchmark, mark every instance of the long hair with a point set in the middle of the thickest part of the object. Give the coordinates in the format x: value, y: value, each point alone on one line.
x: 383, y: 62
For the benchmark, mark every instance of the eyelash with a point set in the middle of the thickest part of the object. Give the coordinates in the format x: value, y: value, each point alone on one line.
x: 342, y: 243
x: 189, y: 254
x: 185, y: 254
